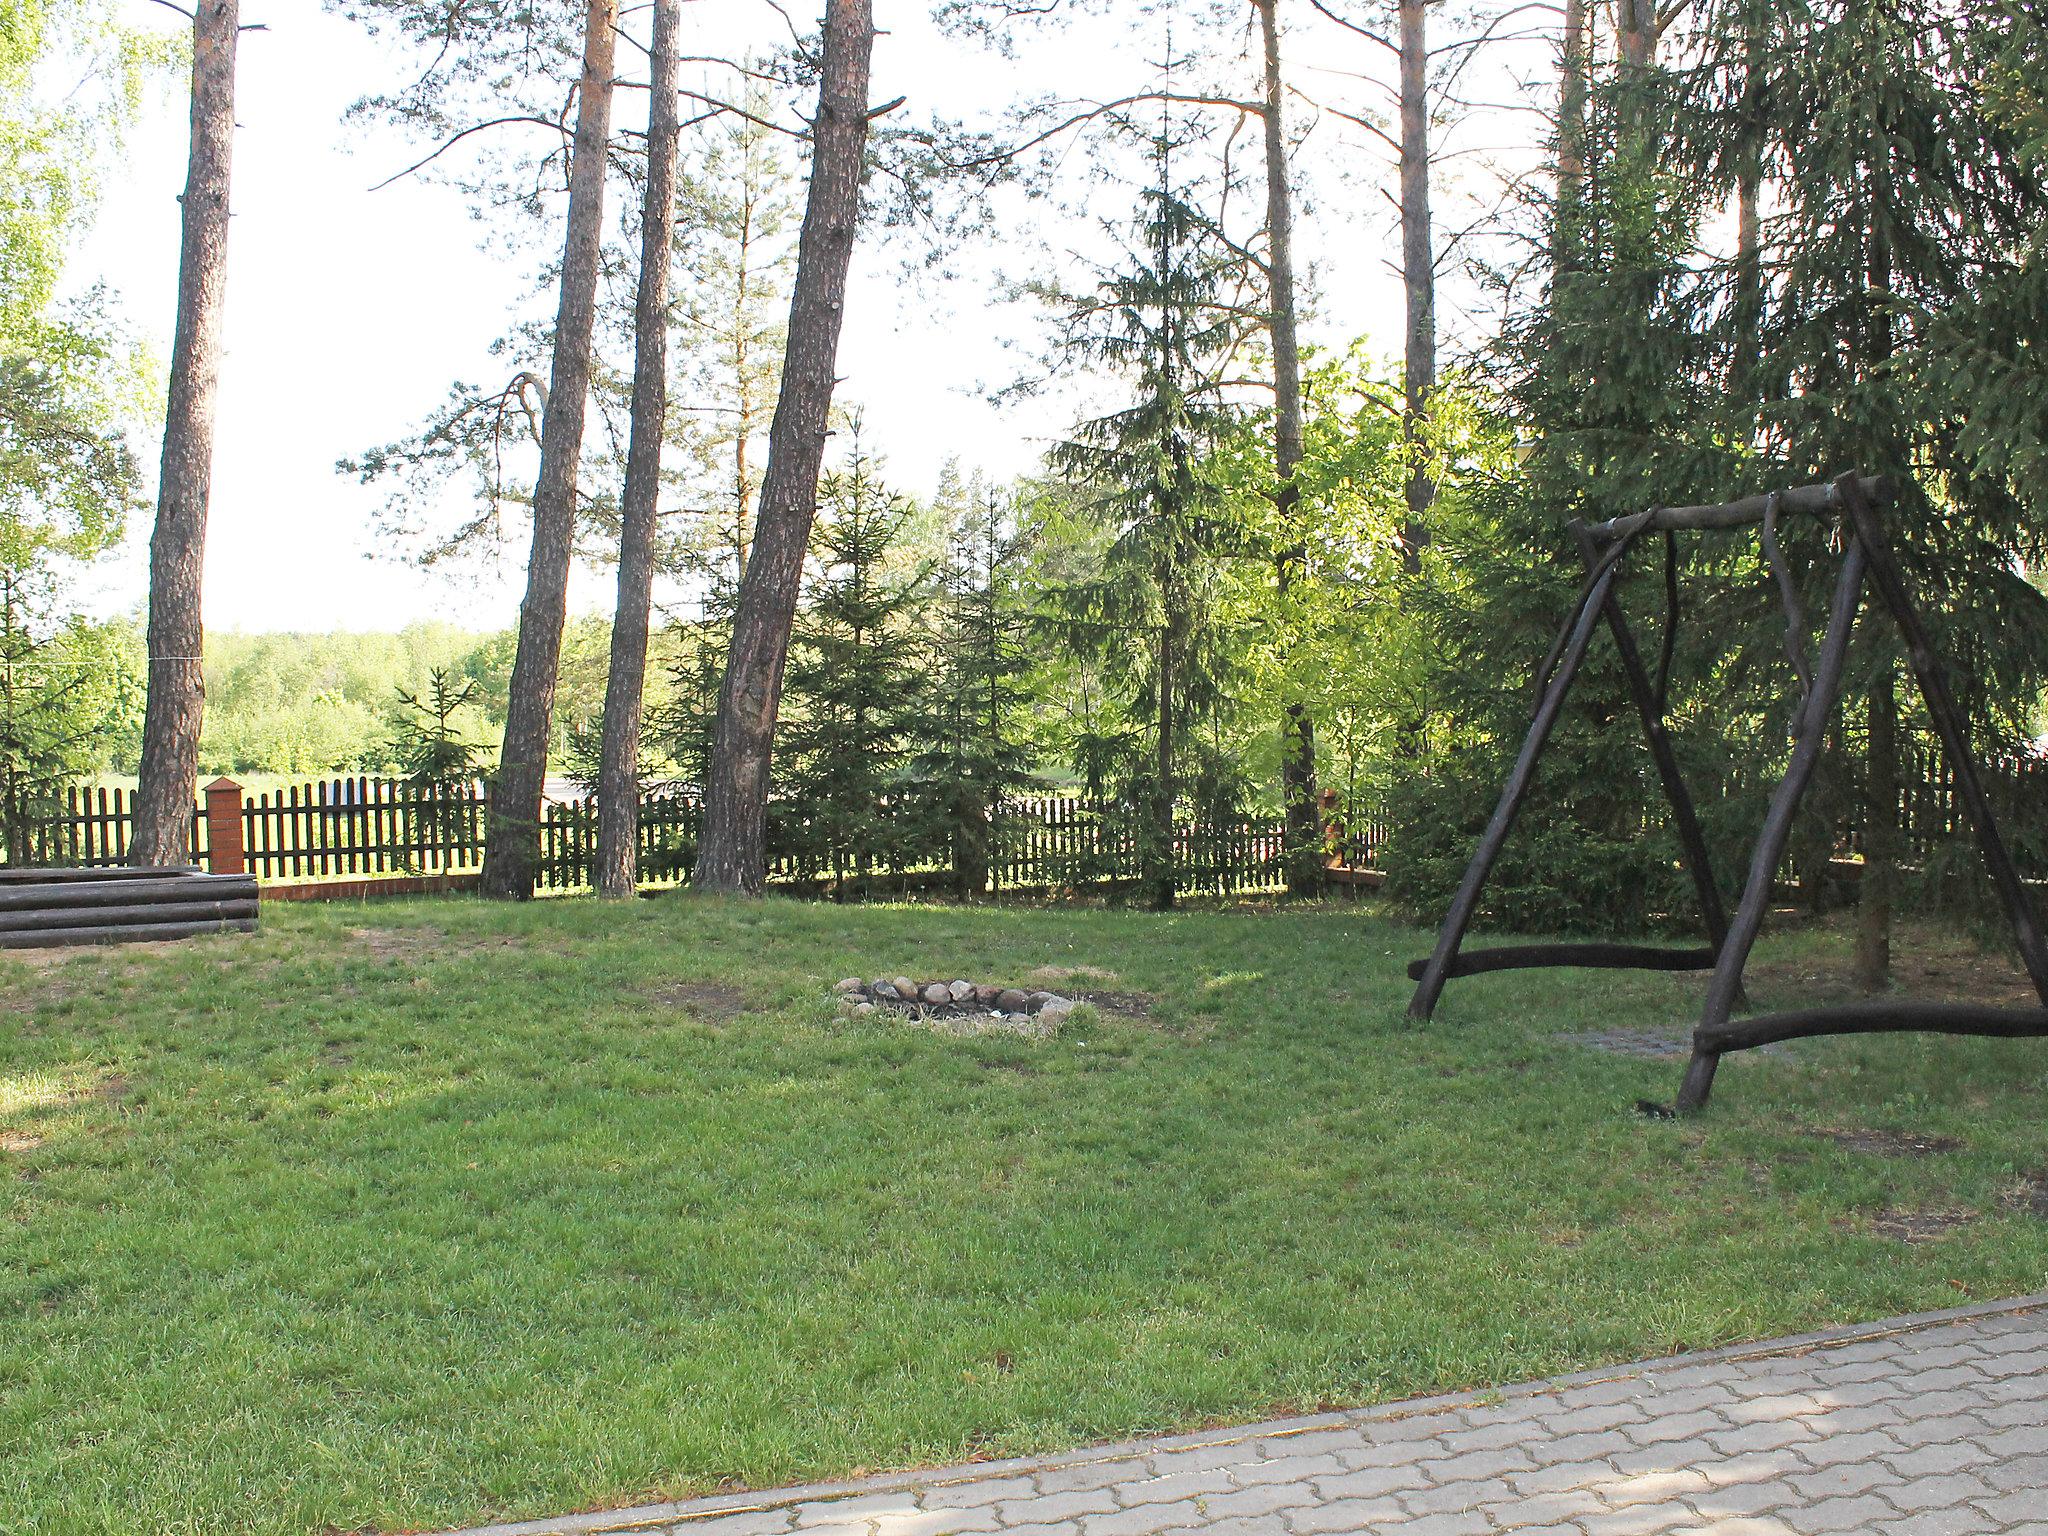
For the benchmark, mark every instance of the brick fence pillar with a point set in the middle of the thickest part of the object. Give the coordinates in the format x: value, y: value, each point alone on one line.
x: 224, y: 827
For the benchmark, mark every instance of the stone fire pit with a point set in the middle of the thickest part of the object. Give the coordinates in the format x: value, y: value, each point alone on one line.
x: 966, y: 1006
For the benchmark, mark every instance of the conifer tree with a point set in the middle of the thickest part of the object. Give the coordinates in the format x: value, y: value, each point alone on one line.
x: 1163, y: 322
x: 1903, y: 218
x: 974, y: 751
x: 854, y: 681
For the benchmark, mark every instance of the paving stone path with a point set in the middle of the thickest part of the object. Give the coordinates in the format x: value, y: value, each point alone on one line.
x: 1927, y: 1426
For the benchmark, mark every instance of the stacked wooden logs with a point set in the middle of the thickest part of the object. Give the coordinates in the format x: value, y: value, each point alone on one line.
x: 48, y: 908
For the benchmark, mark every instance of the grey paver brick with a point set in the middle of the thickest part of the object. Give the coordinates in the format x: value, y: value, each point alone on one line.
x: 2027, y: 1440
x: 1460, y: 1523
x: 1941, y: 1431
x: 1661, y: 1428
x: 1848, y: 1477
x: 1047, y: 1508
x: 1643, y: 1520
x: 1343, y: 1515
x: 1146, y: 1519
x: 1173, y: 1486
x: 745, y: 1522
x: 1652, y: 1481
x: 977, y: 1493
x: 1314, y: 1442
x: 1244, y: 1525
x: 1828, y: 1517
x: 942, y: 1522
x: 1861, y: 1416
x: 2015, y: 1472
x: 1484, y: 1437
x: 1451, y: 1497
x: 1088, y: 1474
x: 1590, y: 1418
x: 2011, y: 1508
x: 1561, y: 1476
x: 1368, y: 1483
x: 1475, y: 1466
x: 1937, y: 1522
x: 851, y: 1511
x: 1543, y: 1509
x: 1728, y: 1500
x: 1261, y: 1499
x: 1870, y: 1445
x: 1946, y: 1492
x: 1286, y: 1469
x: 2031, y: 1362
x: 1201, y: 1458
x: 1597, y: 1446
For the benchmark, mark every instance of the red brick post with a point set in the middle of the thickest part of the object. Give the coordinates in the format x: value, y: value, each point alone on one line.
x: 224, y: 827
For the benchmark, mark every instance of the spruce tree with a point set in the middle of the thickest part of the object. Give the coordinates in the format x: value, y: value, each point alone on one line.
x: 1899, y: 327
x: 854, y: 684
x: 1164, y: 322
x: 974, y: 751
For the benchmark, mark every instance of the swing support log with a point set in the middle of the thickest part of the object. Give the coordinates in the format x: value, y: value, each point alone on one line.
x: 1854, y: 500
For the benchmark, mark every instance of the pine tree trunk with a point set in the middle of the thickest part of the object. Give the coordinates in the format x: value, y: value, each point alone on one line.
x: 1881, y: 764
x: 1418, y: 273
x: 1298, y: 731
x: 1879, y: 886
x: 1749, y: 278
x: 1636, y: 29
x: 1573, y: 82
x: 512, y: 848
x: 176, y: 704
x: 618, y: 785
x: 732, y: 855
x: 1162, y: 802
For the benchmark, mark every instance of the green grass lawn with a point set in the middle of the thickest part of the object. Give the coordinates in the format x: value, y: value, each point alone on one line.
x: 408, y: 1215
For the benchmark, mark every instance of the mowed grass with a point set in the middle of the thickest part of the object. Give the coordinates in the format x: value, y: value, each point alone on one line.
x: 410, y: 1215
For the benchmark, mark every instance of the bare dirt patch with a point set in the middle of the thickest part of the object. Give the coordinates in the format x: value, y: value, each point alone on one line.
x: 711, y: 1001
x: 1889, y: 1143
x: 1122, y: 1005
x: 397, y: 943
x: 2029, y: 1196
x: 19, y: 1141
x: 1902, y: 1226
x: 1927, y: 966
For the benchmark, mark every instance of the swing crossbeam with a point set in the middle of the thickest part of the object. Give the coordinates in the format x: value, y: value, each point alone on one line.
x: 1598, y: 957
x: 1854, y: 499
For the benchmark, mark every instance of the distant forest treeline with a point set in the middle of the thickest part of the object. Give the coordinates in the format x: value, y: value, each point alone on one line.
x: 312, y: 704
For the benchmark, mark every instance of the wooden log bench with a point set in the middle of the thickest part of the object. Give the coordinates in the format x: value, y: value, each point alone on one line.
x: 50, y: 908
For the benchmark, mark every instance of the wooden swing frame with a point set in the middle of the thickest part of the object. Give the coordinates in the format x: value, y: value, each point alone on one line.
x: 1867, y: 555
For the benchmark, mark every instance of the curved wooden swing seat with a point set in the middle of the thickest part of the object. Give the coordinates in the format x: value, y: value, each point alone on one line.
x: 1866, y: 553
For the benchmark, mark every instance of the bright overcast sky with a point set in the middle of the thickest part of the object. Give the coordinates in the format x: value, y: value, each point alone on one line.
x: 351, y: 311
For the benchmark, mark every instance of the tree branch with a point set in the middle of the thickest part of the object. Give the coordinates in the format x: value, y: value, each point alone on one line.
x: 474, y: 128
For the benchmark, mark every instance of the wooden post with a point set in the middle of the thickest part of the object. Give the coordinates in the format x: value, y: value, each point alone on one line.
x: 1814, y: 714
x: 1685, y: 820
x: 1576, y: 636
x: 224, y: 827
x: 1953, y: 728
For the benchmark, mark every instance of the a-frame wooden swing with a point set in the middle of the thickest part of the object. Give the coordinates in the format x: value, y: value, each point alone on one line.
x: 1866, y: 554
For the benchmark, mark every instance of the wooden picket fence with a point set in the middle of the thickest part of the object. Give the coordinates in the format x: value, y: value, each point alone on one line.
x: 355, y: 827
